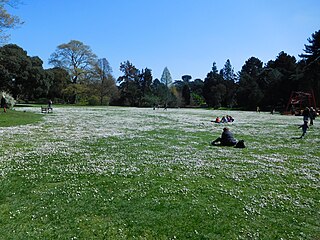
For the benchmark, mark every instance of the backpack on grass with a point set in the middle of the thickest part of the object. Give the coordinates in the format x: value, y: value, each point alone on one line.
x: 240, y: 144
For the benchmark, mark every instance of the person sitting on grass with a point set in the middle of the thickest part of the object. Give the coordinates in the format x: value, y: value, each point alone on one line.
x: 229, y: 118
x: 226, y: 139
x: 224, y: 119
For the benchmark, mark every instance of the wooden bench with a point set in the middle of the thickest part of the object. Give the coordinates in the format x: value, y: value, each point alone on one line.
x: 46, y: 110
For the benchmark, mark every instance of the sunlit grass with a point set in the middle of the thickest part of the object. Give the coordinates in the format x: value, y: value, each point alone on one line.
x: 15, y: 118
x: 128, y: 173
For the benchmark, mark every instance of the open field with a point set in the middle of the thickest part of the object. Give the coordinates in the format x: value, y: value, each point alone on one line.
x: 128, y: 173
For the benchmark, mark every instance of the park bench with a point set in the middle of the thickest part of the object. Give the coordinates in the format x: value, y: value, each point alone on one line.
x: 46, y: 110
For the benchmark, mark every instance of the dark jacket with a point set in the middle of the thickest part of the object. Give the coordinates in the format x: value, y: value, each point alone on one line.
x: 3, y: 102
x: 227, y: 138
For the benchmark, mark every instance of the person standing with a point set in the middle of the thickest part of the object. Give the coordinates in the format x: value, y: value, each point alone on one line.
x: 49, y: 104
x: 306, y: 114
x: 4, y: 103
x: 304, y: 128
x: 312, y: 115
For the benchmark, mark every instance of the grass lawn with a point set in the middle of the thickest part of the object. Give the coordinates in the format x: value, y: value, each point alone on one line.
x: 129, y: 173
x: 16, y: 118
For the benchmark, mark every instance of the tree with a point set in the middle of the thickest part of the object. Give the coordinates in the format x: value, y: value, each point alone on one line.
x: 186, y: 94
x: 311, y: 70
x: 7, y: 21
x: 130, y: 94
x: 249, y: 93
x: 277, y: 81
x: 145, y: 82
x: 39, y: 81
x: 213, y: 90
x: 60, y: 81
x: 166, y: 78
x: 21, y: 74
x: 196, y: 88
x: 104, y: 85
x: 75, y: 57
x: 312, y: 51
x: 228, y: 72
x: 186, y: 78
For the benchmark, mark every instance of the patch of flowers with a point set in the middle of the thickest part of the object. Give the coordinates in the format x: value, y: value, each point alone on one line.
x: 141, y: 143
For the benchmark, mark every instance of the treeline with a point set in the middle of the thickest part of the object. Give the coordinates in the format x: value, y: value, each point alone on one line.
x: 79, y: 77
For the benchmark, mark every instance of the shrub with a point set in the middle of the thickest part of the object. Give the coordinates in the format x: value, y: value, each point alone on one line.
x: 10, y: 100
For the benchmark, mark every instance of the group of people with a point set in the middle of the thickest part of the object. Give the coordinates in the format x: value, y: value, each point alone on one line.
x: 224, y: 119
x: 227, y: 139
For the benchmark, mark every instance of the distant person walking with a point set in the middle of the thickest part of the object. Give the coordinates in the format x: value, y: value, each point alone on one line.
x: 306, y: 114
x: 49, y: 104
x: 4, y: 103
x: 304, y: 128
x: 313, y: 115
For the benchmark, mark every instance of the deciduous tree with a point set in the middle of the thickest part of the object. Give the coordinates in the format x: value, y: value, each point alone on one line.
x: 7, y: 20
x: 75, y: 57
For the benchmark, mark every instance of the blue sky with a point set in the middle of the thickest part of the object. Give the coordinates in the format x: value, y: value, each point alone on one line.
x: 186, y: 36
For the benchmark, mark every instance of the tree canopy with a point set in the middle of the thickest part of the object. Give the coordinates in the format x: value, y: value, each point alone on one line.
x: 75, y: 57
x: 78, y: 76
x: 7, y: 20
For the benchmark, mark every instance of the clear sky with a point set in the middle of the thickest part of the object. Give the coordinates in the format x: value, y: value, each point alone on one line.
x: 186, y: 36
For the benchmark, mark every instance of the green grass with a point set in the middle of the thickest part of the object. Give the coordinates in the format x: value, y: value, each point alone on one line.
x: 120, y: 173
x: 16, y: 118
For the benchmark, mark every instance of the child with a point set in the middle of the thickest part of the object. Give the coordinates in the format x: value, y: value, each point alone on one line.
x: 304, y: 127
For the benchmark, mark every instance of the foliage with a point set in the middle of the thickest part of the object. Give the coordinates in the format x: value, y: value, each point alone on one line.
x: 228, y: 72
x: 7, y: 20
x: 130, y: 93
x: 60, y: 81
x: 10, y: 101
x: 166, y: 78
x: 311, y: 69
x: 249, y: 94
x: 102, y: 83
x: 76, y: 58
x: 21, y: 74
x: 214, y: 89
x: 268, y: 86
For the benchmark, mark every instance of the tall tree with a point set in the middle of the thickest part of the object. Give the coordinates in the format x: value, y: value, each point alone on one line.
x: 75, y: 57
x: 311, y: 79
x: 249, y: 93
x: 130, y: 94
x: 7, y: 20
x: 105, y: 85
x: 166, y: 77
x: 228, y: 72
x: 277, y: 81
x: 213, y: 89
x: 196, y: 88
x: 145, y: 86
